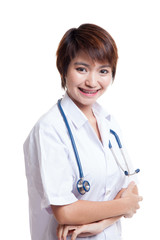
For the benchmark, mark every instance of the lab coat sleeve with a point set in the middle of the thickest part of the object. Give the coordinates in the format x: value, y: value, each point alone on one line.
x: 48, y: 168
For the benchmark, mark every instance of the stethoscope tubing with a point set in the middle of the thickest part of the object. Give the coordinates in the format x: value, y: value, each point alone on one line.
x: 126, y: 172
x: 84, y: 186
x: 72, y: 140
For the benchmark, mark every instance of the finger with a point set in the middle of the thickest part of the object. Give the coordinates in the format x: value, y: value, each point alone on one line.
x: 74, y: 235
x: 119, y: 194
x: 78, y: 231
x: 60, y: 231
x: 66, y: 230
x: 131, y: 186
x: 140, y: 198
x: 128, y: 216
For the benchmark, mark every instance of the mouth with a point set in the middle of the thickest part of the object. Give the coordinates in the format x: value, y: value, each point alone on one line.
x: 88, y: 92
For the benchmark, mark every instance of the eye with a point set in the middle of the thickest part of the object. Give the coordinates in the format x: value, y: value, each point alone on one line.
x: 104, y: 71
x: 81, y: 69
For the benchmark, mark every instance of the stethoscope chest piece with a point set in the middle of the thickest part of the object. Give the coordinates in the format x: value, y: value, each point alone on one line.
x: 83, y: 186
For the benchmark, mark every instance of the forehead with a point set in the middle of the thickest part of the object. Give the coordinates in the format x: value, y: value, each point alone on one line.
x: 83, y: 57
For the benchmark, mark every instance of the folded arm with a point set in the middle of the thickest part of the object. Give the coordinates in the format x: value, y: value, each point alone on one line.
x: 86, y: 230
x: 85, y: 212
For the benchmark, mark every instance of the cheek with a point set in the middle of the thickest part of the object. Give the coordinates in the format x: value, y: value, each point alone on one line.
x: 73, y: 80
x: 106, y: 82
x: 69, y: 80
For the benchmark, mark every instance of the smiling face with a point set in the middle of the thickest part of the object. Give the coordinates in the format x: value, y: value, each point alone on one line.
x: 87, y: 80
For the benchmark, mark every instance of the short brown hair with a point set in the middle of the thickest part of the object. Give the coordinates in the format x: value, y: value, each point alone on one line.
x: 93, y: 40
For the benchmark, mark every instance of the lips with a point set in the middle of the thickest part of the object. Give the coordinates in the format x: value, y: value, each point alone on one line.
x: 88, y: 91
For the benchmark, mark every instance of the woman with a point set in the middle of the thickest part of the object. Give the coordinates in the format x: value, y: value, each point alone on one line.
x: 86, y: 59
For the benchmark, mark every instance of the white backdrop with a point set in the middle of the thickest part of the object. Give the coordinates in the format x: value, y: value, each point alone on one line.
x: 30, y: 84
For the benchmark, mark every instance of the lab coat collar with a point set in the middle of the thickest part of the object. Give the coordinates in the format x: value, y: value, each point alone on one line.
x: 73, y: 112
x: 98, y: 110
x: 76, y: 115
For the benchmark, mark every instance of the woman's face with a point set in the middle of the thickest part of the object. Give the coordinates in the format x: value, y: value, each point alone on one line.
x: 87, y: 80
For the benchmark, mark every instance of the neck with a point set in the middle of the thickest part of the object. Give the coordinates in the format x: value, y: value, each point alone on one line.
x: 87, y: 110
x: 88, y: 113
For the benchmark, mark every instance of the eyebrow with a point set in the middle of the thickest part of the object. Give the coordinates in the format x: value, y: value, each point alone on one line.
x: 81, y: 63
x: 106, y: 65
x: 87, y: 65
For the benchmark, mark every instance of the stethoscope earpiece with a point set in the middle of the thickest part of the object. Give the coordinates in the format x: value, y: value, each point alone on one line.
x: 83, y: 186
x: 126, y: 173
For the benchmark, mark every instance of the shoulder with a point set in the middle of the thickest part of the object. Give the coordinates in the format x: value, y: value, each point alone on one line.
x: 50, y: 124
x: 50, y: 118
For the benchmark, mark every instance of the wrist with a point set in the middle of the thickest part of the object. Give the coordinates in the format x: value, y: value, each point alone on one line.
x: 124, y: 206
x: 108, y: 222
x: 127, y: 208
x: 105, y: 224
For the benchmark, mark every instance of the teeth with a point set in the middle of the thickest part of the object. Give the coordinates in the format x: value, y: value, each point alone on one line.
x: 86, y: 91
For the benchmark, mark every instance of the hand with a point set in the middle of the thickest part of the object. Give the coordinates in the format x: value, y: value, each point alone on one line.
x: 119, y: 194
x: 133, y: 199
x: 86, y: 230
x: 82, y: 231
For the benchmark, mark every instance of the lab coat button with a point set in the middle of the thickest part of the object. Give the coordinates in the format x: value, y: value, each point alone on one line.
x: 108, y: 191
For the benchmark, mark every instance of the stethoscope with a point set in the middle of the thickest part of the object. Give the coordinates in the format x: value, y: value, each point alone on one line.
x: 83, y: 186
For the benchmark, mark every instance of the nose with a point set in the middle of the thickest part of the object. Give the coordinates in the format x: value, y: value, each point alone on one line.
x: 91, y: 80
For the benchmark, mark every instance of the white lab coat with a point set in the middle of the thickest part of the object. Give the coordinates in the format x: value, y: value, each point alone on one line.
x: 52, y: 171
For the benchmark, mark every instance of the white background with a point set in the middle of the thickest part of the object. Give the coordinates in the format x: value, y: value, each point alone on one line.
x: 30, y: 84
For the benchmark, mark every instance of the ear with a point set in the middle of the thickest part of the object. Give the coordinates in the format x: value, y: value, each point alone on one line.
x: 63, y: 82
